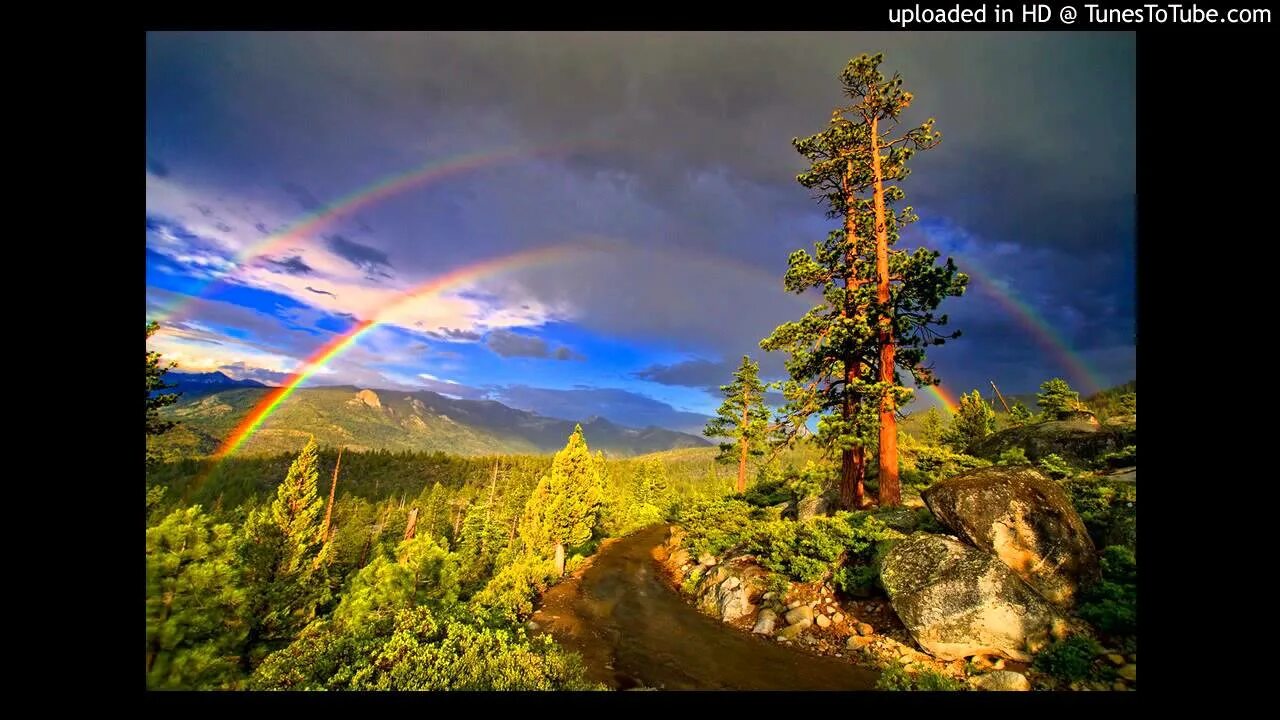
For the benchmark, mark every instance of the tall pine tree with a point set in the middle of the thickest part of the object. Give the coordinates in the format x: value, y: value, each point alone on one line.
x: 155, y: 398
x: 742, y: 417
x: 285, y: 558
x: 563, y: 508
x: 878, y: 310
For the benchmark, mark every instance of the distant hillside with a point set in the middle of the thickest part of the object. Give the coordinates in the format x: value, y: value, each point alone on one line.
x: 363, y: 419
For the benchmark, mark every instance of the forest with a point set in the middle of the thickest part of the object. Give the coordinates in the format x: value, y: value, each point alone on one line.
x: 831, y: 523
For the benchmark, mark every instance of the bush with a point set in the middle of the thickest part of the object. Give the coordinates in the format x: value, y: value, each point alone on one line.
x: 1070, y: 659
x: 1013, y: 456
x: 896, y: 677
x: 419, y: 649
x: 714, y: 526
x: 1126, y: 457
x: 767, y: 493
x: 1112, y: 605
x: 804, y: 551
x: 1107, y: 509
x: 1055, y: 467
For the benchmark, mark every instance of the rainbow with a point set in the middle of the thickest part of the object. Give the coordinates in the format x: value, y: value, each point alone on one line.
x: 948, y: 403
x: 1045, y: 335
x: 343, y: 342
x: 369, y: 195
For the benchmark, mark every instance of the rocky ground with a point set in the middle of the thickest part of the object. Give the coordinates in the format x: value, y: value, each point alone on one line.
x: 984, y: 643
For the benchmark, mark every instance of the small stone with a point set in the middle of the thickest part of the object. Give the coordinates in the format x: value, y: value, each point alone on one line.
x: 765, y: 622
x: 1116, y: 659
x: 823, y: 621
x: 856, y: 641
x: 792, y: 630
x: 706, y: 559
x: 1002, y: 680
x: 768, y: 596
x: 794, y: 604
x: 731, y: 583
x: 1129, y: 672
x: 813, y: 603
x: 799, y: 615
x: 1118, y: 686
x: 838, y: 618
x: 534, y: 626
x: 865, y: 629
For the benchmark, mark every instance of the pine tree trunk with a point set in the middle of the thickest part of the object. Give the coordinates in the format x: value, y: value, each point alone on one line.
x: 852, y: 460
x: 890, y: 492
x: 559, y: 559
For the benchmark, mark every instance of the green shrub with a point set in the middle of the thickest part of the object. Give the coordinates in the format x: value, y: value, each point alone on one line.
x: 779, y: 584
x: 896, y: 677
x: 1013, y: 456
x: 1055, y: 466
x: 714, y: 526
x: 1126, y: 457
x: 857, y: 580
x: 1070, y: 659
x: 1108, y: 509
x: 804, y: 551
x: 767, y: 493
x: 1112, y: 604
x: 418, y: 649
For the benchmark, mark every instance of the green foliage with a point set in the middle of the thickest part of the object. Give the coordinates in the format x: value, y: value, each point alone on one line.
x: 1019, y: 415
x: 564, y: 506
x: 156, y: 399
x: 1057, y: 399
x: 511, y: 593
x: 804, y: 551
x: 1108, y: 509
x: 713, y: 526
x: 896, y: 677
x: 923, y: 465
x: 1125, y: 457
x: 195, y: 623
x: 419, y: 649
x: 767, y: 492
x: 1112, y: 604
x: 743, y: 416
x: 284, y: 560
x: 1013, y: 456
x: 422, y: 574
x: 1055, y: 466
x: 1069, y: 660
x: 974, y: 421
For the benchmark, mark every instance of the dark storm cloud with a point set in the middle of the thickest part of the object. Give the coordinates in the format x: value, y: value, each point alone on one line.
x: 292, y: 265
x: 619, y: 406
x: 511, y: 344
x: 680, y: 144
x: 690, y: 373
x: 155, y: 167
x: 362, y: 256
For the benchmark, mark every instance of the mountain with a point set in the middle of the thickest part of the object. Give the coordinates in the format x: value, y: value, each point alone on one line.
x: 194, y: 384
x: 364, y: 419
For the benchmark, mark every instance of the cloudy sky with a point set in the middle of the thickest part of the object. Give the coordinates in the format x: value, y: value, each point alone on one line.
x: 597, y: 224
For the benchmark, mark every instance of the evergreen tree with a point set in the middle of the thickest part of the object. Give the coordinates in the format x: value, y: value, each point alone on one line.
x: 563, y: 508
x: 195, y: 623
x: 878, y: 313
x: 285, y: 558
x: 1019, y: 415
x: 742, y: 417
x: 1129, y: 403
x: 156, y: 399
x: 931, y: 427
x: 974, y: 420
x: 423, y: 573
x: 1056, y: 398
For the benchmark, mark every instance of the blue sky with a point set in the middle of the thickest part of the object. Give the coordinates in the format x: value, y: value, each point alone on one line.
x: 662, y: 160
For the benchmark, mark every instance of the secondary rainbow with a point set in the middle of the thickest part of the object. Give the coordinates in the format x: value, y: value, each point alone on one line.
x: 1044, y: 333
x: 340, y: 344
x: 308, y: 227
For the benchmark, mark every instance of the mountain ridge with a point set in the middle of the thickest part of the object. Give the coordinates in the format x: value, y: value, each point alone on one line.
x: 386, y: 419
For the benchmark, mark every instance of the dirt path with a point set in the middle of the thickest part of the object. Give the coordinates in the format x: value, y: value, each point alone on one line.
x: 632, y: 630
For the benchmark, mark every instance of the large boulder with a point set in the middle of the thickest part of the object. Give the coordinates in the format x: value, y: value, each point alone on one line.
x: 811, y: 507
x: 732, y: 601
x: 957, y: 601
x: 1026, y: 520
x: 1076, y: 441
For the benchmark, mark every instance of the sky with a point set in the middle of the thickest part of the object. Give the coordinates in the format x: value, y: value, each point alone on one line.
x: 583, y: 224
